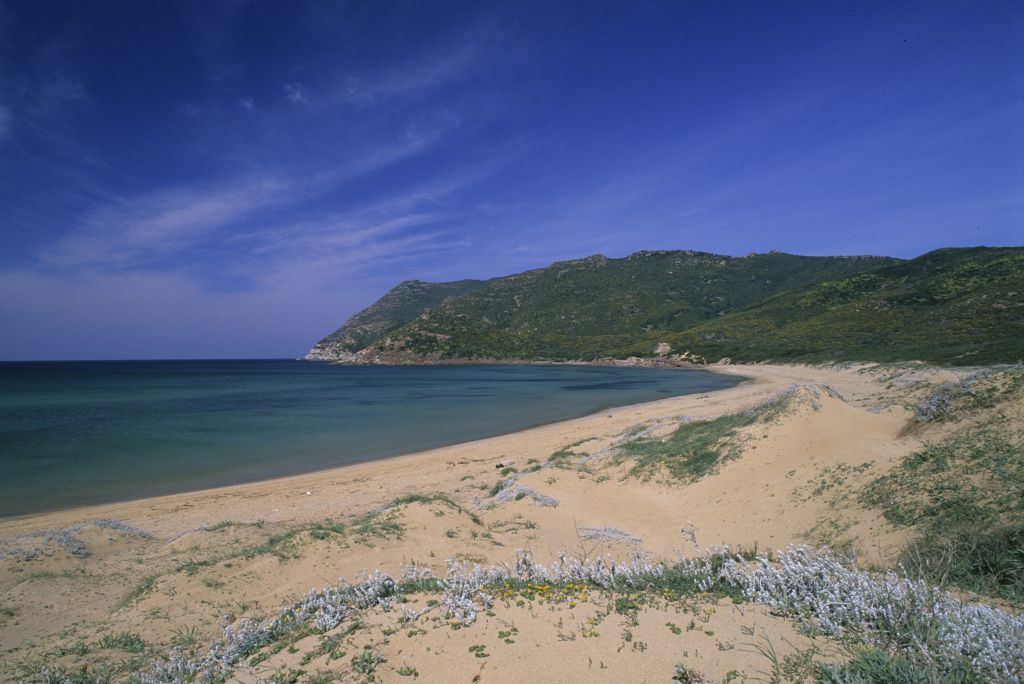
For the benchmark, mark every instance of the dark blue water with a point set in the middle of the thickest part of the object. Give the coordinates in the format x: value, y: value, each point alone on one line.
x: 75, y: 433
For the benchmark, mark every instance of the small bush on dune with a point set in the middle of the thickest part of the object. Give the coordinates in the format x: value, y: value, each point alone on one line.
x: 955, y: 400
x: 976, y: 557
x: 875, y: 666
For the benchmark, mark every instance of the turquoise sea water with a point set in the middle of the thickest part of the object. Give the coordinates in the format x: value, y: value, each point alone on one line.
x: 75, y: 433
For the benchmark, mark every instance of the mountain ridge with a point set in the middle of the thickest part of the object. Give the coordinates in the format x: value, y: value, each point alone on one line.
x: 950, y: 305
x: 955, y: 306
x: 584, y: 308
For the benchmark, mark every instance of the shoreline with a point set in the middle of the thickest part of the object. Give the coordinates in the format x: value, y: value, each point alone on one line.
x: 325, y: 420
x: 36, y: 520
x: 684, y: 360
x: 155, y: 569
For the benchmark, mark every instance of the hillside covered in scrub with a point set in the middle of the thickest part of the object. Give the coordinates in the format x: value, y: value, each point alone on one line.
x: 951, y: 306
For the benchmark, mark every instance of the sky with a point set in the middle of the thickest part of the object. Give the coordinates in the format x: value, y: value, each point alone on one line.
x: 234, y: 179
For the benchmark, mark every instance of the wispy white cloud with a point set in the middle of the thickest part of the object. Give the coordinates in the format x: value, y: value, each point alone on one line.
x: 701, y: 190
x: 296, y: 92
x: 50, y: 83
x: 449, y: 65
x: 276, y: 229
x: 41, y: 89
x: 130, y: 233
x: 379, y: 153
x: 301, y: 276
x: 242, y: 223
x: 56, y: 94
x: 323, y: 250
x: 139, y: 231
x: 454, y: 57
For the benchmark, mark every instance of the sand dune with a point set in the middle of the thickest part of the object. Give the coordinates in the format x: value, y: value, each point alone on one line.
x: 235, y: 551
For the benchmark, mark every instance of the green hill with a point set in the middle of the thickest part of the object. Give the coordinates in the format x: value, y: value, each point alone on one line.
x: 584, y: 308
x: 954, y: 306
x: 951, y: 306
x: 401, y: 304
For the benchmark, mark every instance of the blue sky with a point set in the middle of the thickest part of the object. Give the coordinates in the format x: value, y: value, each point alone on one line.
x: 234, y: 179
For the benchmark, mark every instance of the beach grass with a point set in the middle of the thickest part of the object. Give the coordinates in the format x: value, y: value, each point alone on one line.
x: 696, y: 448
x: 961, y: 496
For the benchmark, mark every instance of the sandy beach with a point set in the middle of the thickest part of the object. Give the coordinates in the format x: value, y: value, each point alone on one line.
x: 476, y: 342
x: 186, y: 563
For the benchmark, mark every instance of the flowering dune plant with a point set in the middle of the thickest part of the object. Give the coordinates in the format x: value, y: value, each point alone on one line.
x: 909, y: 617
x: 939, y: 405
x: 982, y: 388
x: 825, y: 593
x: 30, y: 545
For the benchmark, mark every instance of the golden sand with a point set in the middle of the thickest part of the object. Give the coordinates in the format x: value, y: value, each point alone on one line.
x: 790, y: 484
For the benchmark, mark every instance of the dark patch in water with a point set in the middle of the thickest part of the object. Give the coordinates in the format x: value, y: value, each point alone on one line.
x: 621, y: 384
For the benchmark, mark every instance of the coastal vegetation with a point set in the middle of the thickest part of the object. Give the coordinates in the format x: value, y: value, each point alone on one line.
x: 896, y: 626
x: 949, y: 306
x: 961, y: 493
x: 522, y: 443
x: 696, y: 448
x: 567, y: 551
x: 584, y: 308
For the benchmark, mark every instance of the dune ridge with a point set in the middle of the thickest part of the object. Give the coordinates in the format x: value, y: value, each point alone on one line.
x: 794, y: 447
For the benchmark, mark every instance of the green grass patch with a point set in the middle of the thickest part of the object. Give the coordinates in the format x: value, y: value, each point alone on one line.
x: 186, y: 638
x: 691, y: 452
x: 375, y: 526
x: 963, y: 497
x: 875, y: 666
x: 192, y: 566
x: 561, y: 458
x: 125, y: 641
x: 498, y: 486
x: 436, y: 498
x: 226, y: 524
x: 143, y: 588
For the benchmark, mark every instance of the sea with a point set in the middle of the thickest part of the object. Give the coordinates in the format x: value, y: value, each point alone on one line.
x: 78, y: 433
